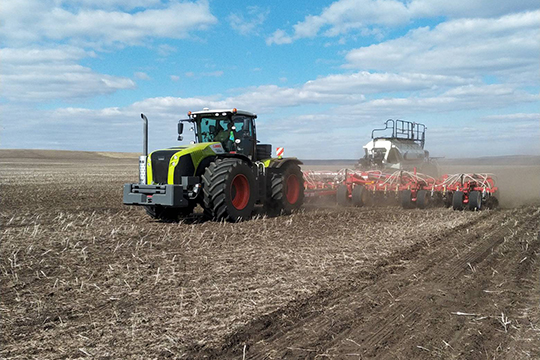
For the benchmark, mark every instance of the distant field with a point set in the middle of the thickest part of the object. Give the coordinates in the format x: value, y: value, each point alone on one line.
x: 82, y: 275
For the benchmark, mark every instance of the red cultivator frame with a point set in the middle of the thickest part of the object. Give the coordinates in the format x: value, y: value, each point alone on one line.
x: 410, y: 189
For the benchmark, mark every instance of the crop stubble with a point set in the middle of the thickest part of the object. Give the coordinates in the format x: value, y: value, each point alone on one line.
x: 82, y: 275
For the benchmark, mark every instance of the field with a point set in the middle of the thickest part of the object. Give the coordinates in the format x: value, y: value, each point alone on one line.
x: 84, y: 276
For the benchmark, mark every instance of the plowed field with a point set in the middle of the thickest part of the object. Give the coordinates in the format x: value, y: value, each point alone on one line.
x: 84, y: 276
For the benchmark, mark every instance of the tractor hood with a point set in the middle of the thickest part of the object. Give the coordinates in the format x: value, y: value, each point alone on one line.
x: 167, y: 166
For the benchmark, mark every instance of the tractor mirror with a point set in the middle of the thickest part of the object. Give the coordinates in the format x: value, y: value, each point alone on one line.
x: 180, y: 128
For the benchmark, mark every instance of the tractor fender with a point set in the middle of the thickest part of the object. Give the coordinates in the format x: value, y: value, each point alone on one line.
x: 279, y: 163
x: 236, y: 156
x: 206, y: 161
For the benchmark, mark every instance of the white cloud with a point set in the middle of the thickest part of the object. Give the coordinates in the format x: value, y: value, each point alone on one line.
x: 507, y: 46
x: 191, y: 74
x: 512, y: 118
x: 166, y: 50
x: 248, y: 24
x: 279, y: 37
x: 175, y: 77
x: 469, y: 97
x: 467, y: 8
x: 369, y: 83
x: 141, y: 75
x: 32, y: 20
x: 34, y: 74
x: 345, y: 16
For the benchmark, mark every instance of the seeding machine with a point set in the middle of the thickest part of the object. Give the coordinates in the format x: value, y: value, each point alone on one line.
x: 397, y: 169
x: 408, y: 188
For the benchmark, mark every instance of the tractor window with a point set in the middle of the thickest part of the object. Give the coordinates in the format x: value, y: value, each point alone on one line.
x: 209, y: 129
x: 239, y: 122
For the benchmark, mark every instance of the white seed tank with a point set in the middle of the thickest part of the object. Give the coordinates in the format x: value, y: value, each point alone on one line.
x: 398, y: 146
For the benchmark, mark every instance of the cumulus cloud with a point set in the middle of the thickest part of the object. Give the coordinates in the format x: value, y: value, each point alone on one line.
x: 35, y: 74
x: 250, y: 23
x: 507, y: 46
x: 513, y: 118
x: 32, y: 20
x: 345, y: 16
x: 141, y: 75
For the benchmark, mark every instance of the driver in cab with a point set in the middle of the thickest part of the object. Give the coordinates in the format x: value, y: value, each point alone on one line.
x: 226, y: 136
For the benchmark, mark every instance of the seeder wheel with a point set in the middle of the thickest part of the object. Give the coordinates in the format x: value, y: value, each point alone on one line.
x: 457, y: 200
x: 342, y: 195
x: 406, y: 199
x: 423, y: 199
x: 475, y: 200
x: 360, y: 196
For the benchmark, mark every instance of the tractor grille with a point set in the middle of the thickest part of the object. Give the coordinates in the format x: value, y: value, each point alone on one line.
x: 184, y: 167
x: 160, y: 165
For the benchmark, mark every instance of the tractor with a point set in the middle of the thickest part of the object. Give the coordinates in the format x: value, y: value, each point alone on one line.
x: 399, y: 146
x: 224, y: 170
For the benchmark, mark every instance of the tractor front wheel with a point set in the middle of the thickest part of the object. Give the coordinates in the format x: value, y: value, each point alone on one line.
x: 228, y: 190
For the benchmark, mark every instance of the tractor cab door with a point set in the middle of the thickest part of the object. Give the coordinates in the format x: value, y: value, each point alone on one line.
x: 244, y: 135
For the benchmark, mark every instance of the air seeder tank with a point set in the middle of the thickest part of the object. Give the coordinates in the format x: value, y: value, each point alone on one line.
x: 398, y: 146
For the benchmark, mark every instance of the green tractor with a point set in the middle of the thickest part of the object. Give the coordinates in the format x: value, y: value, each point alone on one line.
x: 224, y: 170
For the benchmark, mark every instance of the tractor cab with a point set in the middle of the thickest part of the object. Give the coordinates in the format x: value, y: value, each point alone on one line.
x: 233, y: 129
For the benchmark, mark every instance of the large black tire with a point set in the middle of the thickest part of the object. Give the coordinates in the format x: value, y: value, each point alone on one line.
x: 423, y: 199
x: 167, y: 214
x: 475, y: 200
x: 360, y: 196
x: 228, y: 190
x: 406, y: 199
x: 286, y: 191
x: 457, y: 200
x: 342, y: 195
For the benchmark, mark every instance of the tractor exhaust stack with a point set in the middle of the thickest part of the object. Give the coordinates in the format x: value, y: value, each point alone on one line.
x: 143, y: 158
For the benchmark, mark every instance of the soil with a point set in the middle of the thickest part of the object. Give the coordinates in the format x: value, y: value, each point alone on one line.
x: 82, y: 275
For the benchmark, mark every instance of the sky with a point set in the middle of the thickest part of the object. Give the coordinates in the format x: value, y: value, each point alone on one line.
x: 320, y: 75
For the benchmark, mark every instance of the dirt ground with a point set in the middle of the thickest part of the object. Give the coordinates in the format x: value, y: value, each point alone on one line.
x: 83, y: 276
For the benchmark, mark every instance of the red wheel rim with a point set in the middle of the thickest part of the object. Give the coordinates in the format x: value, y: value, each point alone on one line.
x: 293, y: 189
x: 240, y: 191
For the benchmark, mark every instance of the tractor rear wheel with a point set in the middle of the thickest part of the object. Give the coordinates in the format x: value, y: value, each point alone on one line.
x: 359, y: 196
x: 406, y: 199
x: 342, y: 195
x: 286, y: 192
x: 423, y: 199
x: 228, y: 190
x: 457, y: 200
x: 475, y: 200
x: 167, y: 214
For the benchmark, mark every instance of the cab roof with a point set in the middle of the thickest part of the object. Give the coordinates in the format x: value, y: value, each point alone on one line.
x: 213, y: 112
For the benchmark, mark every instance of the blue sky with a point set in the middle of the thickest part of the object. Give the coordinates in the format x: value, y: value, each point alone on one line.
x: 76, y: 74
